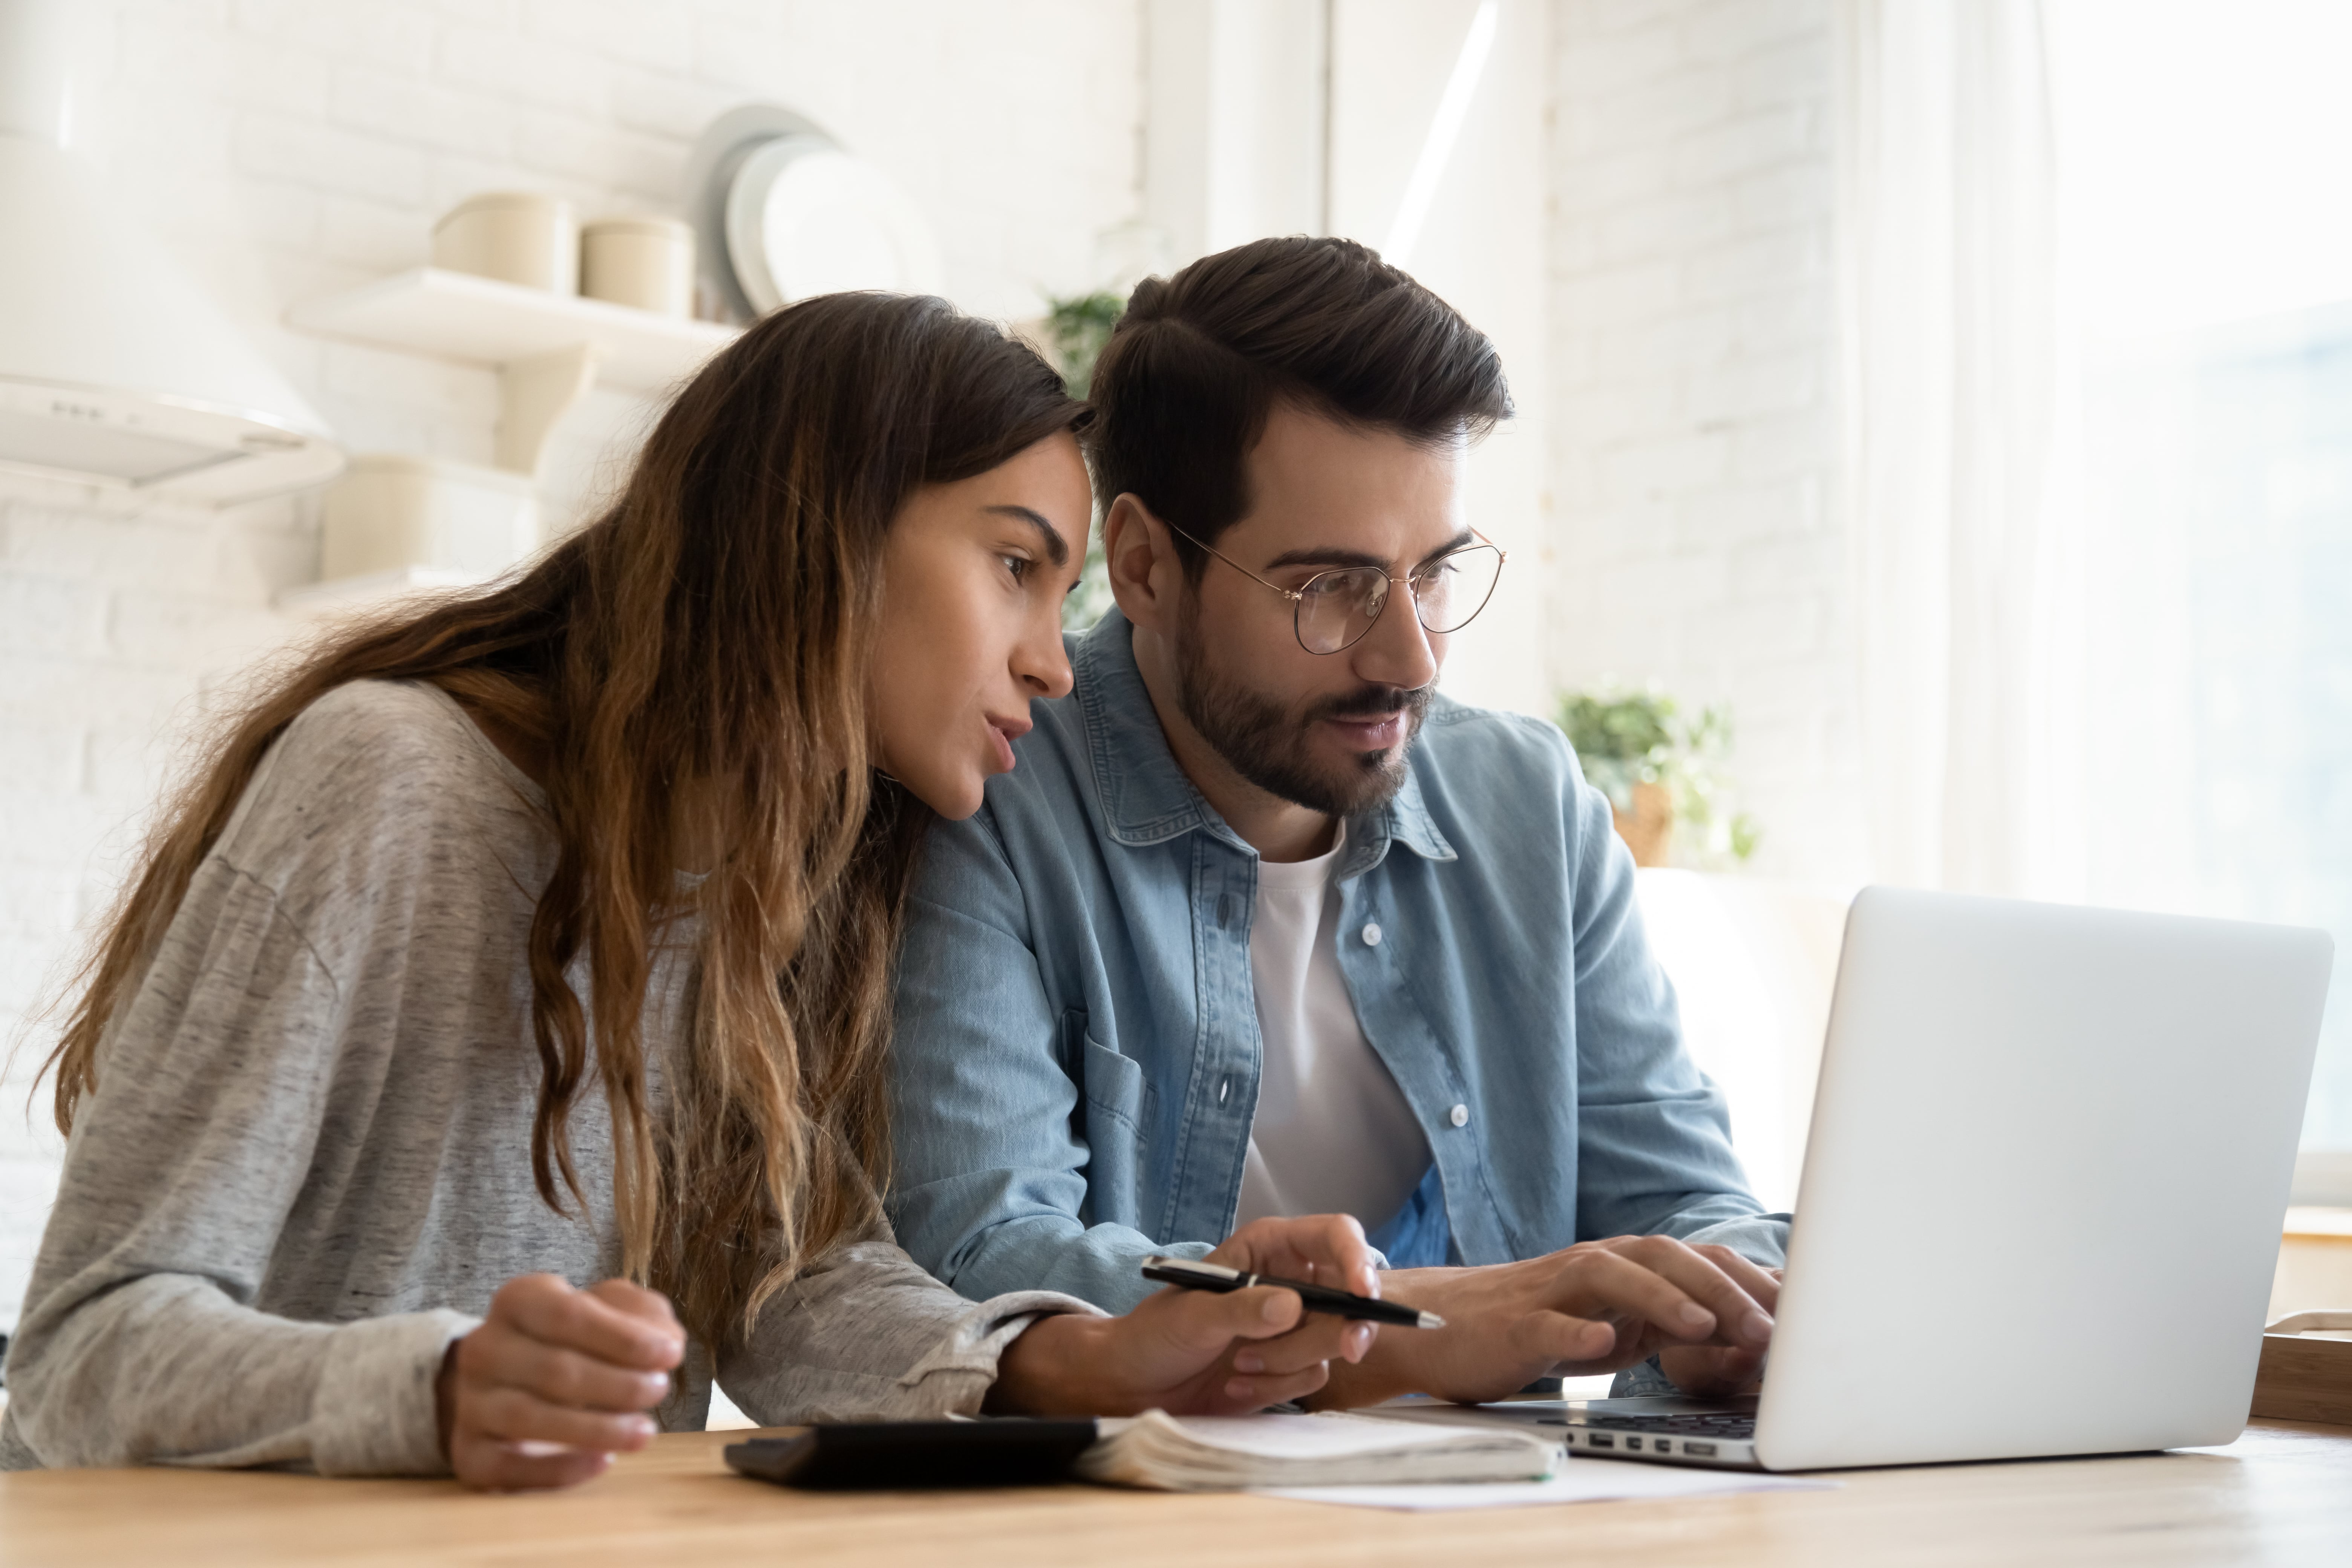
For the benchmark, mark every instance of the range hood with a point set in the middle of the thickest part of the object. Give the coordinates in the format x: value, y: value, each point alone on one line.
x: 115, y: 369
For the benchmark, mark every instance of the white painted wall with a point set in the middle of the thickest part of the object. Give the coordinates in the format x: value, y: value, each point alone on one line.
x: 1697, y: 537
x: 1233, y: 138
x: 282, y: 149
x: 1481, y: 247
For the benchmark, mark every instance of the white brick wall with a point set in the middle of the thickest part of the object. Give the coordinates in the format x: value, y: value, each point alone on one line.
x: 1693, y: 349
x: 287, y: 148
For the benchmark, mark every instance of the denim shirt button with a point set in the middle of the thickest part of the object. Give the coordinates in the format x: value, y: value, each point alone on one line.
x: 1459, y: 1116
x: 1371, y: 934
x: 1224, y: 1087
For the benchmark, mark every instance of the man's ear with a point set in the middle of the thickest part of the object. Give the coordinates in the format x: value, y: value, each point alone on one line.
x: 1141, y: 554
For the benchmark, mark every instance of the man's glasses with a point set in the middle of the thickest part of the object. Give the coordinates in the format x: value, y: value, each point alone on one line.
x: 1333, y: 610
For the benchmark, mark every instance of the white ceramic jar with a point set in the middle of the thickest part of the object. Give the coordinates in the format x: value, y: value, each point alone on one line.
x: 648, y: 262
x: 392, y: 510
x: 517, y: 235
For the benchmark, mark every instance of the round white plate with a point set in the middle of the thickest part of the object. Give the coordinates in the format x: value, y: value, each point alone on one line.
x: 803, y: 217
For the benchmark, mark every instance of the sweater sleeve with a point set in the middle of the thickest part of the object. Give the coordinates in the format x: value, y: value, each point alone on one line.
x: 866, y: 1335
x: 138, y: 1342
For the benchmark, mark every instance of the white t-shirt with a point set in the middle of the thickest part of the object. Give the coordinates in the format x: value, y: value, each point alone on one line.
x: 1333, y: 1133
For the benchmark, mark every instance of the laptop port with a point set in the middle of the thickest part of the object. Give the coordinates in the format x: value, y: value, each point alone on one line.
x: 1599, y: 1440
x: 1699, y: 1450
x: 1633, y: 1444
x: 1664, y: 1446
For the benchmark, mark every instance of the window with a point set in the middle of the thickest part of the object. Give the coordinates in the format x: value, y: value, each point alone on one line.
x: 2202, y: 150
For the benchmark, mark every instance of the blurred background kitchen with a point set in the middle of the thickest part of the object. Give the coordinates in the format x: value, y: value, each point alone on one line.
x: 1933, y: 463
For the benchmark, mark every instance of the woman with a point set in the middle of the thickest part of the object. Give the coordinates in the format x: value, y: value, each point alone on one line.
x: 543, y: 936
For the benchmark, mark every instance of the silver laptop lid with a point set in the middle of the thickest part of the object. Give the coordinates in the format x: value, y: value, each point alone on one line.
x: 2042, y: 1192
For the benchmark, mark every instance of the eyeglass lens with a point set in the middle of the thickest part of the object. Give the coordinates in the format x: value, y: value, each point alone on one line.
x: 1337, y: 608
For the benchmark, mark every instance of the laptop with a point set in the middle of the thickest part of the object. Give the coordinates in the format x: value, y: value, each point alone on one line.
x: 2041, y: 1197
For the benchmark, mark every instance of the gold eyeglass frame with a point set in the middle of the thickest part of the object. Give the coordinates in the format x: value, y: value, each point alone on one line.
x: 1297, y: 597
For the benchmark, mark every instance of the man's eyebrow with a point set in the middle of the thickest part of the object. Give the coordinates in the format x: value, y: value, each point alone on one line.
x: 1467, y: 536
x: 1056, y: 546
x: 1333, y: 555
x: 1326, y: 555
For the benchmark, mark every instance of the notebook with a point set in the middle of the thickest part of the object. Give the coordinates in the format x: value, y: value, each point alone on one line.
x: 1223, y: 1453
x: 1155, y: 1450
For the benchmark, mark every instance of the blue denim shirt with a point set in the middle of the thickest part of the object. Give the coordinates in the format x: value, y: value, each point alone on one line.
x: 1077, y: 1057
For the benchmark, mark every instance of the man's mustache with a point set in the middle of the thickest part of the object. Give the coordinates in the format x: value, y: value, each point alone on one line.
x: 1370, y: 703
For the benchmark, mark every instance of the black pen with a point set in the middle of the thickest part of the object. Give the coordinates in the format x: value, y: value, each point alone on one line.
x: 1216, y: 1276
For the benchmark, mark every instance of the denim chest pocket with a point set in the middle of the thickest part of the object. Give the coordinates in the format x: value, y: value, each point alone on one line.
x: 1119, y: 1108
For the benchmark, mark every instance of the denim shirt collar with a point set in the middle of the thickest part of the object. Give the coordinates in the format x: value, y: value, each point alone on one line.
x: 1146, y: 797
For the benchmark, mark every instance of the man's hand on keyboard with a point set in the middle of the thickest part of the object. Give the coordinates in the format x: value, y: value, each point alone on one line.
x: 1596, y: 1306
x: 1714, y: 1371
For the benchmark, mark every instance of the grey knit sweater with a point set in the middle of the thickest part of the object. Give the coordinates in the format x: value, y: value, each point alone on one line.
x: 306, y: 1163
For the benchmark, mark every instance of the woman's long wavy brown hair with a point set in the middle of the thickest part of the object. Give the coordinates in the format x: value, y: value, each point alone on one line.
x: 690, y: 668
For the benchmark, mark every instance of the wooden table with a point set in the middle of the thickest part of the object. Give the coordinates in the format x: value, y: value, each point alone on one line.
x: 2282, y: 1494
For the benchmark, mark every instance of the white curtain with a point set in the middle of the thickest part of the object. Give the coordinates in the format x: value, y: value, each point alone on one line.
x: 1950, y: 355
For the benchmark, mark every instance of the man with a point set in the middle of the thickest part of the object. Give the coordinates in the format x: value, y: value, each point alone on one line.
x: 1261, y: 925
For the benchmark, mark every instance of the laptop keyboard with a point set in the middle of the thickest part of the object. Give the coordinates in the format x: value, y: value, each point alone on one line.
x: 1740, y: 1427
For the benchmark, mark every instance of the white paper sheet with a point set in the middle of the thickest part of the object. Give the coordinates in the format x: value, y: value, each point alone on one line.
x: 1578, y: 1480
x: 1283, y: 1436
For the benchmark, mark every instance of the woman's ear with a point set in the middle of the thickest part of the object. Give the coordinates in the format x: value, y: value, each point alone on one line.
x: 1139, y: 555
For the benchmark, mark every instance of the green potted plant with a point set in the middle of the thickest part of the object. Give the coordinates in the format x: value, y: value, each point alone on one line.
x: 1659, y: 768
x: 1075, y: 329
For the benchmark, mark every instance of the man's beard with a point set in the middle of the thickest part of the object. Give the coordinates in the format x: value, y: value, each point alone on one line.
x: 1268, y: 744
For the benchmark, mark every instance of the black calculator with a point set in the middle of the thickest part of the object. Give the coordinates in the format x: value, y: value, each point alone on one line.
x: 867, y: 1455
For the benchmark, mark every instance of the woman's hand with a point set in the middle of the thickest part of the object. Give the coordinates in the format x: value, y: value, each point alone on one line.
x: 555, y: 1382
x: 1197, y: 1352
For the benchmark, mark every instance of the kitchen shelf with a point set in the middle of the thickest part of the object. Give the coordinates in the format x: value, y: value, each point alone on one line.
x: 485, y: 322
x: 549, y: 349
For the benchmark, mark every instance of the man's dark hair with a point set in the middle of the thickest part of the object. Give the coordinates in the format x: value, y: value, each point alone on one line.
x: 1183, y: 389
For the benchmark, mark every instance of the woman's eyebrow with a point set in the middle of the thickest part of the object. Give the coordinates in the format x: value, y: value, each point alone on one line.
x: 1056, y: 547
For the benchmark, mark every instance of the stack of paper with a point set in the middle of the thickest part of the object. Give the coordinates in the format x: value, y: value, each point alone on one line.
x: 1212, y: 1453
